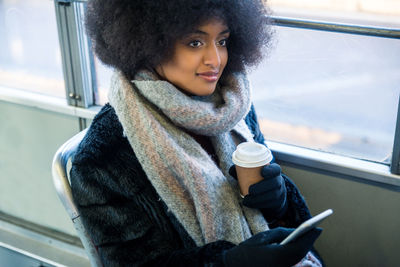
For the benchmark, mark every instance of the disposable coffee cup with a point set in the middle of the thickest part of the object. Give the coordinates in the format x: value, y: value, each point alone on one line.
x: 249, y: 158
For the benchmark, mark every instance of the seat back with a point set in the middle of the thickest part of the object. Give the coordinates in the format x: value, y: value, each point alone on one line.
x: 62, y: 184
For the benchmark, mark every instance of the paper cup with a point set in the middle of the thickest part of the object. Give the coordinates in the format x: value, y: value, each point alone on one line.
x: 249, y: 158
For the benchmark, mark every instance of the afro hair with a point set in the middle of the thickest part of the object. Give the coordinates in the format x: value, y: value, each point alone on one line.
x: 134, y: 34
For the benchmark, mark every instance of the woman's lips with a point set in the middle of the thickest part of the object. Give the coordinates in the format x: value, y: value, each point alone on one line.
x: 209, y: 76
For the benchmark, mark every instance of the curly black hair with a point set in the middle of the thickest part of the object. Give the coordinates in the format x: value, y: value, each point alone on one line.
x: 133, y: 34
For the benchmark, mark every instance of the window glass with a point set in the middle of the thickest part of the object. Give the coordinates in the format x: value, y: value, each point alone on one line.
x: 330, y: 91
x: 103, y: 76
x: 30, y: 56
x: 369, y: 11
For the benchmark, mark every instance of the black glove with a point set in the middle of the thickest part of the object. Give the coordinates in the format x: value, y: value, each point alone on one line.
x: 268, y: 195
x: 263, y: 249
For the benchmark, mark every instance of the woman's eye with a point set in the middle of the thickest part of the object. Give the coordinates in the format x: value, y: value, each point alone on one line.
x: 195, y: 43
x: 222, y: 42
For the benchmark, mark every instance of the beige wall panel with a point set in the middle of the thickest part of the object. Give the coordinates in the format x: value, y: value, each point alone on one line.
x: 364, y: 228
x: 29, y: 138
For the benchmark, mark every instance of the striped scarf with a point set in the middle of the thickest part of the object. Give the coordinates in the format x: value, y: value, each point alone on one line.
x: 203, y: 196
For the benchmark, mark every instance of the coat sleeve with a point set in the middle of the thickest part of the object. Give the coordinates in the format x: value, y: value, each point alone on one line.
x: 297, y: 211
x: 124, y: 215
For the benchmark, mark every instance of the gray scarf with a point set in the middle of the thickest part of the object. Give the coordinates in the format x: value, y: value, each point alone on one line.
x: 203, y: 196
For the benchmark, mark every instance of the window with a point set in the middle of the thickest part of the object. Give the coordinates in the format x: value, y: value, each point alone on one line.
x: 29, y: 49
x: 330, y: 91
x: 334, y: 92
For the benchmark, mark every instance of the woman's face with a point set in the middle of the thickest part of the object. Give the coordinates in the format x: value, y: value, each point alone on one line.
x: 198, y: 60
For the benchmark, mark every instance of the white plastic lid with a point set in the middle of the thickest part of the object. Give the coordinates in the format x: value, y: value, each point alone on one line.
x: 251, y: 154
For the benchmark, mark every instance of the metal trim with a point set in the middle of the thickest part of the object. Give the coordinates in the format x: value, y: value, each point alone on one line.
x: 28, y: 254
x: 63, y: 188
x: 76, y: 54
x: 70, y: 1
x: 395, y: 164
x: 85, y: 56
x: 335, y: 27
x: 335, y: 164
x: 63, y: 36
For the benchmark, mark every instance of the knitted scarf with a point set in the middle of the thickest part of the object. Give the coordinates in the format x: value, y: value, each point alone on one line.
x: 203, y: 196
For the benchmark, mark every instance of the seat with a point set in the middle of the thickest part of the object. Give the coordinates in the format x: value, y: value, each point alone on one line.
x: 63, y: 187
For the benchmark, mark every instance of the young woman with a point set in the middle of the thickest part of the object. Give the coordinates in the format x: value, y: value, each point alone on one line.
x: 153, y: 177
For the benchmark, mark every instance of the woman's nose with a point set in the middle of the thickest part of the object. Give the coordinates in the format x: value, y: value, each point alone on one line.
x: 212, y: 56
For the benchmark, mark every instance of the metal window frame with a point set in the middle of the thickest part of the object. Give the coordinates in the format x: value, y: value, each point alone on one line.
x: 77, y: 57
x: 336, y: 27
x: 395, y: 163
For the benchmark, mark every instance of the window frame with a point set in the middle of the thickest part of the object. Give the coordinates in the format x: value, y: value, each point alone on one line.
x: 77, y: 57
x: 395, y: 163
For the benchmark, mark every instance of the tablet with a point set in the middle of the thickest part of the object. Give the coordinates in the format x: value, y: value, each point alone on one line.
x: 307, y: 226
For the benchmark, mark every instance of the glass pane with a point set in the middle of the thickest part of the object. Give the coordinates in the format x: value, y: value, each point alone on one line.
x: 30, y: 56
x: 330, y: 91
x: 369, y: 11
x: 103, y: 76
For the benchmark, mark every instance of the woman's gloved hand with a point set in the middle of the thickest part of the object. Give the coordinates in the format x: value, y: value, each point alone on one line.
x: 269, y: 195
x: 263, y: 249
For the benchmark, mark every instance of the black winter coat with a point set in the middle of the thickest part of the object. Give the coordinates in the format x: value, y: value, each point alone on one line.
x: 128, y: 222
